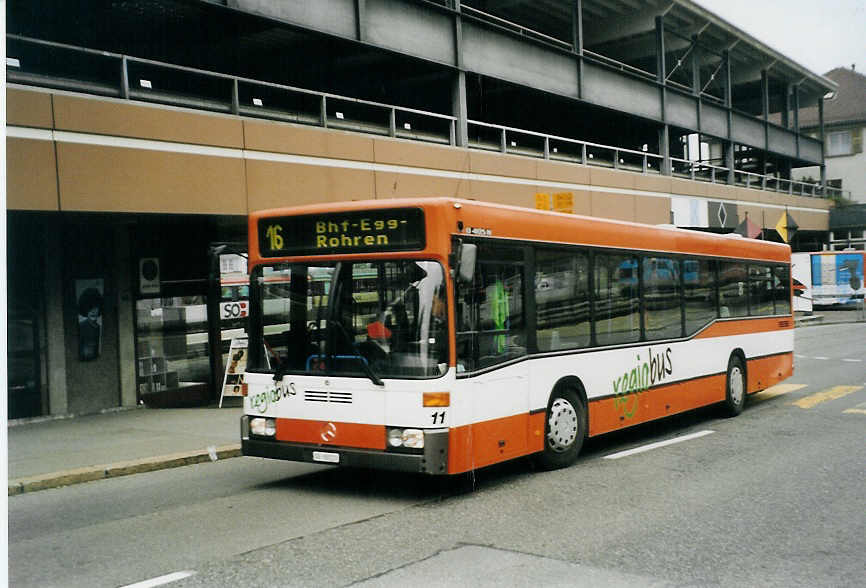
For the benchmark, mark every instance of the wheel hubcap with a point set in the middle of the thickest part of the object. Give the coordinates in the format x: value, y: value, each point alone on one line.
x: 736, y: 385
x: 562, y: 425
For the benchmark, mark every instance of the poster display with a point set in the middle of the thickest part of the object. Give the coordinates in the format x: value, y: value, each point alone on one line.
x: 837, y: 278
x: 89, y: 299
x: 233, y: 379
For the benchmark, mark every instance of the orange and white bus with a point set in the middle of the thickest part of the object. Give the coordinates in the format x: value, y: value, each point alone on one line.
x: 442, y: 335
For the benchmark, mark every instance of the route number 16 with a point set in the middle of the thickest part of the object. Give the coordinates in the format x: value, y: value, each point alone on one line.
x: 274, y: 238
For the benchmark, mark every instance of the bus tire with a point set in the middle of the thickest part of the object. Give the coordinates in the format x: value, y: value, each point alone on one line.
x: 564, y: 429
x: 735, y: 387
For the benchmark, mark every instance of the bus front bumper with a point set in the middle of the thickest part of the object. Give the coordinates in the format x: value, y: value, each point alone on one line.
x: 434, y: 460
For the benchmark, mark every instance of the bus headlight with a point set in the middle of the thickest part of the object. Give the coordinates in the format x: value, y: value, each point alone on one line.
x: 407, y: 438
x: 413, y: 438
x: 395, y: 438
x: 263, y: 427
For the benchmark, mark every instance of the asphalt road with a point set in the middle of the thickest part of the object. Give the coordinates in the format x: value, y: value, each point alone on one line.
x: 774, y: 497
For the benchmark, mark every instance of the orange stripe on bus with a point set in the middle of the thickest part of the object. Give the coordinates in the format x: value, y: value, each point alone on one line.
x: 331, y: 433
x: 764, y: 372
x: 746, y: 326
x: 482, y: 444
x: 619, y: 412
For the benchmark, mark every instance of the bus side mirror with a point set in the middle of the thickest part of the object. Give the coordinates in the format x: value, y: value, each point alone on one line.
x: 466, y: 255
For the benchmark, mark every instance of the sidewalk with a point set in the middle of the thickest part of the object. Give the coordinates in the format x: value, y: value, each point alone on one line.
x: 829, y: 317
x: 50, y: 453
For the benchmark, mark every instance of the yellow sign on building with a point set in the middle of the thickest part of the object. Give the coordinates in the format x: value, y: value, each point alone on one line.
x: 542, y: 201
x: 563, y: 202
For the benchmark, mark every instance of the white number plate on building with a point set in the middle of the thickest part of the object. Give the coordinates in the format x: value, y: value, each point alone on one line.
x: 326, y: 457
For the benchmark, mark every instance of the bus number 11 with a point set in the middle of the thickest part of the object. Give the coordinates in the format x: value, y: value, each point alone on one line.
x: 439, y: 418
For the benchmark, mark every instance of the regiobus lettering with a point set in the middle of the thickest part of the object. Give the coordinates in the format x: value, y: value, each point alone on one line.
x: 394, y: 335
x: 642, y: 377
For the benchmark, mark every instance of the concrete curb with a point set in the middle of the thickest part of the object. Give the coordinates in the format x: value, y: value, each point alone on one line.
x: 122, y: 468
x: 805, y: 321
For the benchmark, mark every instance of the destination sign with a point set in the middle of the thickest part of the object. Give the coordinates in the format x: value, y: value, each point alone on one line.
x: 367, y: 231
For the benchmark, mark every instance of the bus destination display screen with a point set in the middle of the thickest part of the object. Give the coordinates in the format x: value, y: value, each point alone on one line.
x: 395, y: 229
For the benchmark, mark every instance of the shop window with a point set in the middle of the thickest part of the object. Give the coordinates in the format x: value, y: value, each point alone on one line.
x: 172, y: 350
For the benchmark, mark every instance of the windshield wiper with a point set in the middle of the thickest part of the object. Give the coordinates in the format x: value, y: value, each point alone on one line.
x: 367, y: 369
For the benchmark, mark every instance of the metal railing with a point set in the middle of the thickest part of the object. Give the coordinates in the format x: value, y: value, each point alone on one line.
x: 66, y: 67
x: 493, y: 137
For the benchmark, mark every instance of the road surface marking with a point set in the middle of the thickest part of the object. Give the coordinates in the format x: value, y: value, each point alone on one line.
x: 852, y: 360
x: 777, y: 390
x: 820, y: 358
x: 825, y: 395
x: 859, y: 409
x: 652, y: 446
x: 160, y: 580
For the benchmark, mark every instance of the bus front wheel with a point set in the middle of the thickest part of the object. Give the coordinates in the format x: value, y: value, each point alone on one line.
x: 564, y: 429
x: 735, y: 387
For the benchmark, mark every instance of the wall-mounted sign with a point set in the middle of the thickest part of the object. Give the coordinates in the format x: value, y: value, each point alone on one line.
x: 395, y: 229
x: 148, y: 275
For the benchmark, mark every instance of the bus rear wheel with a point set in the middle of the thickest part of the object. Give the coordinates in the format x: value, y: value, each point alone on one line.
x: 564, y: 430
x: 735, y: 387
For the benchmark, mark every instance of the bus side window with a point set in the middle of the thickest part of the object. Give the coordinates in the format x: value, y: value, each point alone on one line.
x: 782, y: 288
x: 699, y: 279
x: 561, y: 299
x: 490, y: 321
x: 617, y: 302
x: 733, y: 298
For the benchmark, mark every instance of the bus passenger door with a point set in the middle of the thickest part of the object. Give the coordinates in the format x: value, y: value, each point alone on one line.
x: 491, y: 341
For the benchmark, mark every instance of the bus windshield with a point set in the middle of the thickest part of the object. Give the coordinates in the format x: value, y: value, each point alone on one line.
x: 375, y: 319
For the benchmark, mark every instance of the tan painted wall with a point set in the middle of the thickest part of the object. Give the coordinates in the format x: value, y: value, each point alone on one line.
x: 97, y: 178
x: 125, y: 119
x: 28, y: 108
x: 31, y: 175
x: 273, y: 164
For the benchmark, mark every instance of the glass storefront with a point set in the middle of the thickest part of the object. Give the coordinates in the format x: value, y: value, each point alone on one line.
x: 171, y: 346
x: 172, y: 352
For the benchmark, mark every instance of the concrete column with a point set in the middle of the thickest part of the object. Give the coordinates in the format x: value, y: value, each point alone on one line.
x: 459, y: 109
x: 125, y: 316
x: 729, y: 105
x: 797, y: 117
x: 665, y: 149
x: 360, y: 19
x: 821, y: 138
x: 661, y: 75
x: 577, y: 41
x: 458, y: 88
x: 55, y: 331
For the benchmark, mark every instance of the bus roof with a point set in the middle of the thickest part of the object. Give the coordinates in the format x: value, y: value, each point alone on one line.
x: 492, y: 220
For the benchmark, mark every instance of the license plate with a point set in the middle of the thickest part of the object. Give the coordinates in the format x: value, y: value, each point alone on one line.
x: 326, y: 457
